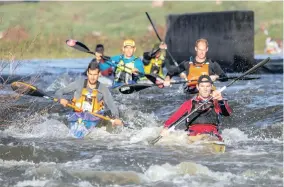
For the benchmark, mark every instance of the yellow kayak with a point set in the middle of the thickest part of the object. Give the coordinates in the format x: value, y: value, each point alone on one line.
x: 210, y: 143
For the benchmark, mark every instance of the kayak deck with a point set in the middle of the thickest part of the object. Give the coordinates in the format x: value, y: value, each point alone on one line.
x: 210, y: 143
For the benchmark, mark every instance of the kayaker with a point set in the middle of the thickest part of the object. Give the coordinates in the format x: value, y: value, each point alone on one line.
x: 154, y: 60
x: 206, y: 119
x: 104, y: 68
x: 196, y: 66
x: 127, y: 68
x: 90, y: 95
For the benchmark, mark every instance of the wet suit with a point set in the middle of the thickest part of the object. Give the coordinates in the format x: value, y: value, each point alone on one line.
x: 203, y: 121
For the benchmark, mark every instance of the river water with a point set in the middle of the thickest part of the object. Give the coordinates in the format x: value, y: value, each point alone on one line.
x: 36, y: 149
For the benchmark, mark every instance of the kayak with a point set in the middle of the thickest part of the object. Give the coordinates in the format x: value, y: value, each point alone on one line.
x: 80, y: 124
x: 208, y: 143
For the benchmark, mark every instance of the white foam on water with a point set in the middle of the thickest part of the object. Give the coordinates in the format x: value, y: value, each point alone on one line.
x: 83, y: 164
x: 31, y: 183
x: 15, y: 163
x: 44, y: 128
x: 234, y: 135
x: 185, y: 173
x: 85, y: 184
x: 144, y: 134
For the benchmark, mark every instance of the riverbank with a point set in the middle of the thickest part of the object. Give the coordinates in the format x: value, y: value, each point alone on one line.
x: 39, y: 29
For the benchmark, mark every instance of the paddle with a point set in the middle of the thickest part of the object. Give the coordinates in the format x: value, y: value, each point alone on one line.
x: 173, y: 126
x: 27, y: 89
x: 148, y: 16
x: 129, y: 89
x: 154, y: 79
x: 82, y: 47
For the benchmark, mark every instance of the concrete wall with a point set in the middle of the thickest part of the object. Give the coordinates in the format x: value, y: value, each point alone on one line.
x: 230, y: 36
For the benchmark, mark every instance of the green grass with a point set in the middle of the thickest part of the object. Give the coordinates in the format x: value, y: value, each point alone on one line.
x: 49, y: 24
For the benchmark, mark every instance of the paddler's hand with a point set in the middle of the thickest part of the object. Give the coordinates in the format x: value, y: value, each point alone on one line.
x: 164, y: 132
x: 163, y: 46
x: 167, y: 83
x: 116, y: 122
x: 214, y: 77
x: 135, y: 71
x: 216, y: 94
x: 183, y: 76
x: 64, y: 102
x: 98, y: 56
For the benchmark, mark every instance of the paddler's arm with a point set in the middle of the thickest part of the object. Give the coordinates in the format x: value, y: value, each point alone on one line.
x: 110, y: 61
x: 108, y: 100
x: 183, y: 110
x: 225, y: 109
x: 146, y: 58
x: 173, y: 71
x: 218, y: 72
x: 138, y: 66
x: 72, y: 87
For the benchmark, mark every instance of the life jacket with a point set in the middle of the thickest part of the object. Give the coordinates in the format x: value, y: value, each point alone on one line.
x: 196, y: 70
x: 88, y: 101
x: 123, y: 74
x: 208, y: 114
x: 155, y: 65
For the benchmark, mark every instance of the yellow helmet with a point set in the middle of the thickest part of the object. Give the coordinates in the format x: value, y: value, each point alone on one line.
x: 129, y: 42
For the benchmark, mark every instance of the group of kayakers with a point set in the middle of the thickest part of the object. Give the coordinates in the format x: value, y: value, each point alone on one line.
x: 90, y: 95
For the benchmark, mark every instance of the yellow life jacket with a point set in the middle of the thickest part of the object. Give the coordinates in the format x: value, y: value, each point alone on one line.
x: 195, y: 71
x: 122, y: 73
x: 155, y: 64
x: 88, y: 100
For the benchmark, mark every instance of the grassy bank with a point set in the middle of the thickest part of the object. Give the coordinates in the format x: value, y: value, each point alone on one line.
x: 45, y: 26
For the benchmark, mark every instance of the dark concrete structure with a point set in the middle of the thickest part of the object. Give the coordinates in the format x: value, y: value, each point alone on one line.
x: 230, y: 36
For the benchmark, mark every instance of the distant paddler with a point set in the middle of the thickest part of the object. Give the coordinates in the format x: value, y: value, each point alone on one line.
x: 128, y: 69
x: 104, y: 67
x: 90, y: 96
x: 154, y: 60
x: 195, y: 67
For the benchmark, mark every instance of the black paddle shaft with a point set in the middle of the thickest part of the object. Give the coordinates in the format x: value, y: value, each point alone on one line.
x: 148, y: 16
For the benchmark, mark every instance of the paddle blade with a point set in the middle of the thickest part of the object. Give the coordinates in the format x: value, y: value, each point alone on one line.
x: 129, y: 89
x: 26, y: 89
x: 155, y: 140
x: 78, y: 45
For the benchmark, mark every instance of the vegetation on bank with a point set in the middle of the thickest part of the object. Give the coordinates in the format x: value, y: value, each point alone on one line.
x: 39, y: 29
